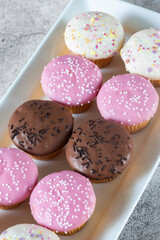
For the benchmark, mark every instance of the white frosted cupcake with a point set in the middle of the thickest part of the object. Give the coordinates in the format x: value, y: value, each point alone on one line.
x: 96, y: 35
x: 28, y: 232
x: 141, y: 55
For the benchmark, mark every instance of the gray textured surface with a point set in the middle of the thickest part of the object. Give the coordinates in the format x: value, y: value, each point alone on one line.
x: 23, y: 25
x: 150, y: 4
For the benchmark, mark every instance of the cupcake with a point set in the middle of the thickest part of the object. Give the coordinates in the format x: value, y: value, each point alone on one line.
x: 128, y: 99
x: 141, y: 55
x: 28, y: 232
x: 18, y: 177
x: 96, y: 35
x: 63, y: 202
x: 99, y: 149
x: 41, y: 128
x: 73, y: 81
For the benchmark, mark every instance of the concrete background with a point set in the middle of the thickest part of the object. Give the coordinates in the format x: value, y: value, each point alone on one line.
x: 23, y: 25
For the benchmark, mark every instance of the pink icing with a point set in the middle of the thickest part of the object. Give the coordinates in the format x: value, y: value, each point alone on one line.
x: 18, y: 176
x: 71, y: 80
x: 63, y: 201
x: 129, y: 99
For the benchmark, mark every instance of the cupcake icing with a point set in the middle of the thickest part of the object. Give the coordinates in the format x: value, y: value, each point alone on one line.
x: 141, y: 53
x: 28, y: 232
x: 63, y: 201
x: 94, y: 35
x: 18, y: 176
x: 40, y: 127
x: 99, y: 149
x: 71, y: 80
x: 127, y: 98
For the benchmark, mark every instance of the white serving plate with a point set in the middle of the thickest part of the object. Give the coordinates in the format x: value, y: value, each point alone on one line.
x: 117, y: 199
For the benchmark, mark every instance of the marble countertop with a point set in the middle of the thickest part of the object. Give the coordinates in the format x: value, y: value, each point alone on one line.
x: 23, y: 25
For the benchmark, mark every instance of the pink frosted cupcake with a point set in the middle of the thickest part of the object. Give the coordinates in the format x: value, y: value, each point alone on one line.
x: 128, y: 99
x: 63, y: 202
x: 73, y: 81
x: 18, y: 176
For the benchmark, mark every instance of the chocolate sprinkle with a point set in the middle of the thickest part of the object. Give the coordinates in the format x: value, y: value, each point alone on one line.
x: 21, y: 143
x: 61, y: 120
x: 86, y: 164
x: 80, y: 131
x: 21, y: 120
x: 102, y: 168
x: 67, y: 127
x: 42, y: 131
x: 93, y: 171
x: 99, y: 162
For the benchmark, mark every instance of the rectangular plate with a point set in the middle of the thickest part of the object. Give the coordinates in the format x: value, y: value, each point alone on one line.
x: 117, y: 199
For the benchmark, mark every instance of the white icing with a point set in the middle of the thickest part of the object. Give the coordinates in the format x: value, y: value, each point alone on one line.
x: 141, y: 54
x: 94, y: 35
x: 28, y: 232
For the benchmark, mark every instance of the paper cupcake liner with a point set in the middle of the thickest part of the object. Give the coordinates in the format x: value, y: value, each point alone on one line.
x: 136, y: 128
x: 79, y: 108
x: 46, y: 157
x: 71, y: 231
x: 101, y: 62
x: 101, y: 180
x: 10, y: 206
x: 155, y: 83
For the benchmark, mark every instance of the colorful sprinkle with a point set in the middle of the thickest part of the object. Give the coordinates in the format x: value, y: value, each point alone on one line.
x: 149, y: 70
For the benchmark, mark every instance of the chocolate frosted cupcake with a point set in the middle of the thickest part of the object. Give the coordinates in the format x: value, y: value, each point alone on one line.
x: 99, y: 149
x: 41, y: 128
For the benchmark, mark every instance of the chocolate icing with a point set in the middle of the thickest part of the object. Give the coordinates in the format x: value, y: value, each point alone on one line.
x: 99, y: 149
x: 40, y: 127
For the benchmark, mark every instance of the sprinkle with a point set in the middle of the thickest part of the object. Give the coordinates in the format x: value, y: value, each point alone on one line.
x: 149, y: 70
x: 93, y: 52
x: 87, y: 40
